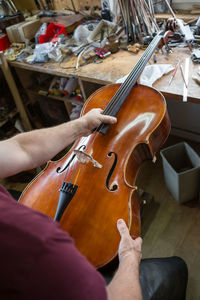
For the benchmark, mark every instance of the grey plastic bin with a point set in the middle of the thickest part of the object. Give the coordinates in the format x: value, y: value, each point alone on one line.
x: 181, y: 166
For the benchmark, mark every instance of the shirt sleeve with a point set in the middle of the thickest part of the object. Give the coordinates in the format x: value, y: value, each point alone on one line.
x: 61, y: 272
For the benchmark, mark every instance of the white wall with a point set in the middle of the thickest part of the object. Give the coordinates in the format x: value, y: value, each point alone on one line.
x: 184, y: 4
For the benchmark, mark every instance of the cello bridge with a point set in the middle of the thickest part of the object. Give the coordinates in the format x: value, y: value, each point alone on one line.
x: 84, y: 158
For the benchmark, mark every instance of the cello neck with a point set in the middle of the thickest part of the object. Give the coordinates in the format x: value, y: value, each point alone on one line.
x: 120, y: 96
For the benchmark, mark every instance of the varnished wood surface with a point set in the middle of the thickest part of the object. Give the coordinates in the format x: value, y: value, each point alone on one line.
x: 120, y: 64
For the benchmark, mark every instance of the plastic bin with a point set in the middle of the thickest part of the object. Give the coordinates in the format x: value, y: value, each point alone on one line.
x: 181, y: 166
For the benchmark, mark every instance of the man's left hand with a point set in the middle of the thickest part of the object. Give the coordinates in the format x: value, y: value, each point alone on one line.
x: 94, y: 118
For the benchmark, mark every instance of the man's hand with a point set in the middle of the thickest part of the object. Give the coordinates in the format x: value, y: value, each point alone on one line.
x: 94, y: 118
x: 125, y: 283
x: 31, y: 149
x: 128, y: 248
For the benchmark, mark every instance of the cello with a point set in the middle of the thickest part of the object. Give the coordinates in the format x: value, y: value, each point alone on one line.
x: 93, y: 185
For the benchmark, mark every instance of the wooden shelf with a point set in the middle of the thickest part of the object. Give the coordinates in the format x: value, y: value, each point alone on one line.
x: 186, y: 17
x: 59, y: 98
x: 72, y: 101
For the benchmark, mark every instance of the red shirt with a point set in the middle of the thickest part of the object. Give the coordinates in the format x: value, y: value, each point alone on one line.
x: 39, y: 261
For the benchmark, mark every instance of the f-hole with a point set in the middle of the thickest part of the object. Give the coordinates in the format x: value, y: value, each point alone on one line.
x: 114, y: 186
x: 60, y: 170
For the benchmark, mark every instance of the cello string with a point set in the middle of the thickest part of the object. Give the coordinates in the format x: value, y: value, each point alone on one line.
x: 73, y: 174
x: 133, y: 75
x: 76, y: 176
x: 129, y: 81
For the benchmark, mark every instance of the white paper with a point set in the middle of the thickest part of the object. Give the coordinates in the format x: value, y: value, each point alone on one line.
x: 151, y: 73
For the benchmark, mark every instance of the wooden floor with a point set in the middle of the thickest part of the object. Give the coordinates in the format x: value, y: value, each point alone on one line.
x: 168, y: 228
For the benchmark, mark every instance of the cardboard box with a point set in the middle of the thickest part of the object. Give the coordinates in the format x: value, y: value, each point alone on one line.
x: 18, y: 33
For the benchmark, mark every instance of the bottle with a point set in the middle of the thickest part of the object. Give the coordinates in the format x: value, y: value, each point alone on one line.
x: 70, y: 86
x: 79, y: 97
x: 63, y: 82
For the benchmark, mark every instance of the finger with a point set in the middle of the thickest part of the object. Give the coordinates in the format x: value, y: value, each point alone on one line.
x: 108, y: 119
x: 98, y: 109
x: 123, y: 229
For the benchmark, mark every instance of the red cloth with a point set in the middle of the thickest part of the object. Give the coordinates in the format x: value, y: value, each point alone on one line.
x: 52, y: 32
x: 4, y: 42
x: 39, y: 261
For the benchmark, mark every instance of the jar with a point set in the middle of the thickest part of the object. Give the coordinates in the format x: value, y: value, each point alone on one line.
x: 112, y: 43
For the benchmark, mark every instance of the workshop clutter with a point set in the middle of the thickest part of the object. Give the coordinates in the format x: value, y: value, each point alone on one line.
x: 64, y: 86
x: 68, y: 89
x: 70, y: 86
x: 138, y: 19
x: 51, y: 102
x: 91, y: 37
x: 92, y: 41
x: 53, y: 30
x: 45, y: 52
x: 76, y: 111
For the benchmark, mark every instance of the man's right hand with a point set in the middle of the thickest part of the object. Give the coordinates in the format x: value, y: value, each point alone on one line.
x: 128, y: 247
x: 125, y: 283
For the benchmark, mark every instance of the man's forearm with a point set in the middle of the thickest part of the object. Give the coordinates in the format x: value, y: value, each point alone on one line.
x: 32, y: 149
x: 43, y: 144
x: 125, y: 284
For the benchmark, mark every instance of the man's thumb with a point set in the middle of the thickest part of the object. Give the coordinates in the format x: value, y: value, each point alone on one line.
x: 121, y: 226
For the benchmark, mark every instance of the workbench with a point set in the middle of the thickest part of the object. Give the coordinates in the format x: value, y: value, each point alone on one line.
x: 116, y: 66
x: 120, y: 64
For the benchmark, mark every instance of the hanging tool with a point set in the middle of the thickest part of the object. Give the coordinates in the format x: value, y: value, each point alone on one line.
x: 174, y: 72
x: 185, y: 30
x: 12, y: 6
x: 41, y: 4
x: 74, y: 8
x: 37, y: 4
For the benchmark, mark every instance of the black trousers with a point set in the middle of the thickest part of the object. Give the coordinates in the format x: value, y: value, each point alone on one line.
x: 160, y: 278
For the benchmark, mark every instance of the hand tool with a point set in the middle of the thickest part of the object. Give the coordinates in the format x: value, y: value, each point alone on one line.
x: 174, y: 72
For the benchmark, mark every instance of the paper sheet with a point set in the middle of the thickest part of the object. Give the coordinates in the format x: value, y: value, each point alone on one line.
x: 151, y: 73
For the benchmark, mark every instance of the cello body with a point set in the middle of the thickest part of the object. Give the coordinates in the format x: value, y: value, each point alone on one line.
x: 104, y: 194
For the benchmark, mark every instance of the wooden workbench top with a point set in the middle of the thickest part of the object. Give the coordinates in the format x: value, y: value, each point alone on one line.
x: 120, y: 64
